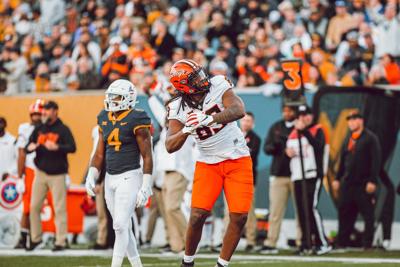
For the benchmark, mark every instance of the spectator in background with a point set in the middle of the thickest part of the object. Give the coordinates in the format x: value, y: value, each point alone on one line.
x: 92, y: 47
x: 375, y: 10
x: 280, y: 185
x: 16, y: 69
x: 162, y: 41
x: 42, y: 78
x: 316, y: 22
x: 386, y: 71
x: 85, y: 24
x: 116, y: 22
x: 52, y: 141
x: 68, y: 74
x: 253, y: 142
x: 324, y: 66
x: 289, y: 18
x: 176, y: 26
x: 116, y: 65
x: 52, y: 11
x: 349, y: 57
x: 357, y: 179
x: 140, y: 53
x: 387, y: 33
x: 338, y: 25
x: 71, y: 18
x: 32, y: 53
x: 219, y: 68
x: 88, y: 78
x: 216, y: 29
x: 8, y: 151
x: 58, y: 58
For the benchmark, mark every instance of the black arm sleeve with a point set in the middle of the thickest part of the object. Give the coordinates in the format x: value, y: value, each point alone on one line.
x: 272, y: 146
x: 255, y: 150
x: 317, y: 142
x: 376, y: 158
x: 68, y: 145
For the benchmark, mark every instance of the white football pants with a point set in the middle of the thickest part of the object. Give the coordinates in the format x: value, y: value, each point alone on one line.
x: 120, y: 193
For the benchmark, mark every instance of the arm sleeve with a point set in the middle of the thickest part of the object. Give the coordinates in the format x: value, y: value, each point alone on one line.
x: 68, y: 146
x: 21, y: 138
x: 256, y: 150
x: 32, y: 139
x: 317, y: 142
x: 271, y: 146
x: 376, y: 158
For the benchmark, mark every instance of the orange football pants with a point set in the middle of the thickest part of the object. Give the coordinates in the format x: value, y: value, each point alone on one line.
x: 235, y: 177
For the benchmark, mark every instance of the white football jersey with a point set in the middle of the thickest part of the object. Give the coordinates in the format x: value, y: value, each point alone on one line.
x: 24, y: 132
x: 219, y: 142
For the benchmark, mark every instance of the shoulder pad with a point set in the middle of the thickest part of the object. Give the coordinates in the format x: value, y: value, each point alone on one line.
x: 102, y: 116
x: 221, y: 82
x: 140, y: 117
x: 102, y: 113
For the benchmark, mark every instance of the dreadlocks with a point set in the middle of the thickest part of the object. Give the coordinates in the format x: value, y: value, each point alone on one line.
x: 187, y: 100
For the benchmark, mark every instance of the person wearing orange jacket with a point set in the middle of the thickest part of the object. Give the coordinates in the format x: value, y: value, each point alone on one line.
x: 116, y: 65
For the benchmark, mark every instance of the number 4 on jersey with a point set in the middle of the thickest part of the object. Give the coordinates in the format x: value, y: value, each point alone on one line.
x: 113, y: 139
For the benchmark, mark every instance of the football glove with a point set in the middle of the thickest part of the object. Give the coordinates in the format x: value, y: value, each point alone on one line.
x: 198, y: 119
x: 145, y: 191
x: 91, y: 178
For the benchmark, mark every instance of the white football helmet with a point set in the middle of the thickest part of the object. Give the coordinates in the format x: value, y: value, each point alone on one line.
x: 120, y: 95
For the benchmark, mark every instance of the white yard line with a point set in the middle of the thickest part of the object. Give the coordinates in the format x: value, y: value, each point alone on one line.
x: 236, y: 258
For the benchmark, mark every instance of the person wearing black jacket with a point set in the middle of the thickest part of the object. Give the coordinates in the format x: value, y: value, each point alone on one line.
x: 280, y: 186
x: 307, y: 171
x: 253, y: 142
x: 356, y: 179
x: 52, y: 141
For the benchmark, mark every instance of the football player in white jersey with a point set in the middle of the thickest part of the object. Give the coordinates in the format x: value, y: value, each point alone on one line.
x: 26, y: 167
x: 124, y: 138
x: 208, y: 109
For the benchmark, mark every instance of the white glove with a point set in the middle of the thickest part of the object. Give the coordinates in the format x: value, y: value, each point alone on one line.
x: 145, y: 191
x: 92, y: 175
x: 188, y: 129
x: 20, y: 186
x: 197, y: 119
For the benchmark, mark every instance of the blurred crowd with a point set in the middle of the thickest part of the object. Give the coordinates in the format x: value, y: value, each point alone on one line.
x: 64, y: 45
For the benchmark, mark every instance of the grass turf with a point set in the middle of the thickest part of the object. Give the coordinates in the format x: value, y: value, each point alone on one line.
x: 159, y: 261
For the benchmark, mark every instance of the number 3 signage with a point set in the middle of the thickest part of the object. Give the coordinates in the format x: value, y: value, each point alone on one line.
x: 292, y: 81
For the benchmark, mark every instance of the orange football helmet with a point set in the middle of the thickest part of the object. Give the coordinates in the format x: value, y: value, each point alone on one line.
x: 36, y: 107
x: 189, y: 77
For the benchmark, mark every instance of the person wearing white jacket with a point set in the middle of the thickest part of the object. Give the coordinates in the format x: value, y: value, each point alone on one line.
x: 178, y: 170
x: 387, y: 34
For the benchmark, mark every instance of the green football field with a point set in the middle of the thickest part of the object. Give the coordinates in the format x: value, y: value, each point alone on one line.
x: 86, y: 259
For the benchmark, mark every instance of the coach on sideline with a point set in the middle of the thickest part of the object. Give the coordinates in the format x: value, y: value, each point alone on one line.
x: 357, y: 178
x: 52, y: 141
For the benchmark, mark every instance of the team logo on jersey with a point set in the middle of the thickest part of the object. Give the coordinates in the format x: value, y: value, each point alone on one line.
x: 104, y: 123
x: 9, y: 197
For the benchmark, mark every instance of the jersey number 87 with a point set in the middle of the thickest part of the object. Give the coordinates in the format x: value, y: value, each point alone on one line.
x: 206, y: 132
